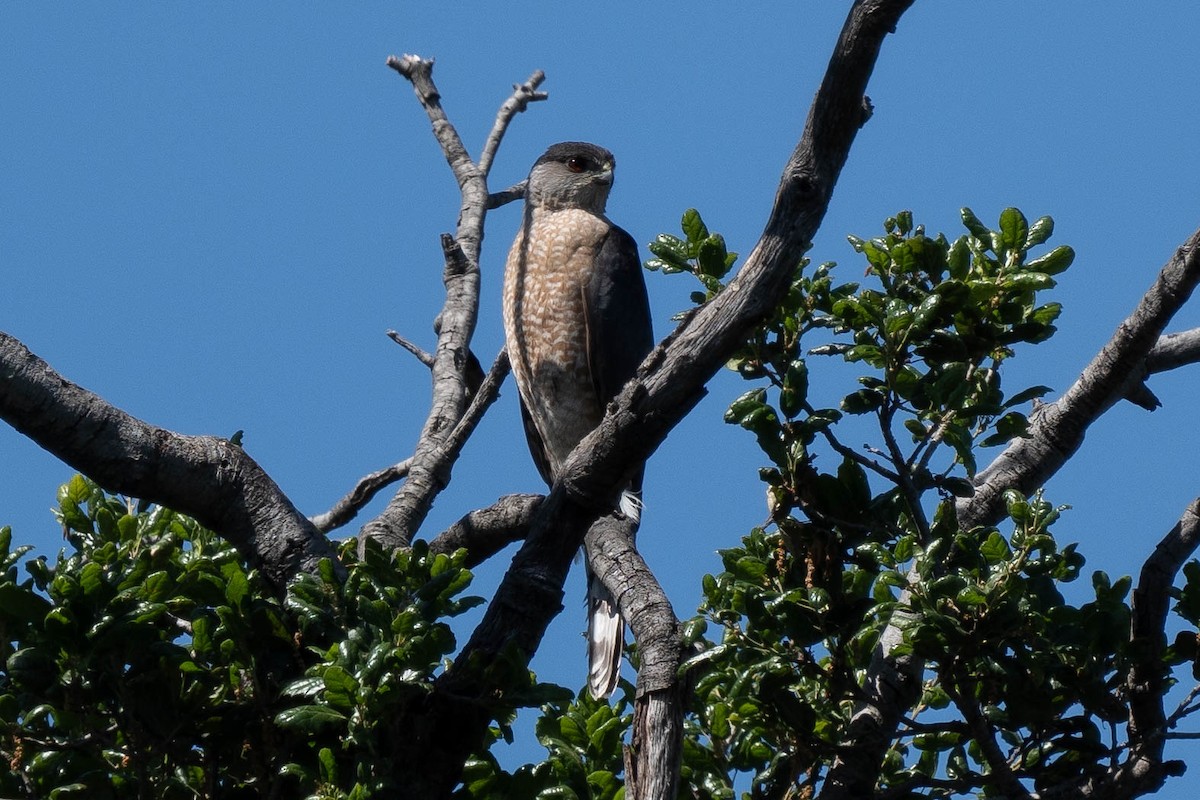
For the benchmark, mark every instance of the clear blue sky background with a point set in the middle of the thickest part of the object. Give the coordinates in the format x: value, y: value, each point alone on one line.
x: 210, y: 215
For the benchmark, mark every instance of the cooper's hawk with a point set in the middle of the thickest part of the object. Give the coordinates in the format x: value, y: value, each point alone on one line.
x: 577, y: 323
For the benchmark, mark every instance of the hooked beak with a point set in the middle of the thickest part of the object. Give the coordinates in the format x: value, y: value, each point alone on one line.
x: 605, y: 175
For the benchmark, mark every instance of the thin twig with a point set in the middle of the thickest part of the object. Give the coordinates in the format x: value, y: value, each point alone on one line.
x: 363, y: 492
x: 422, y: 355
x: 523, y: 94
x: 1185, y: 707
x: 506, y: 196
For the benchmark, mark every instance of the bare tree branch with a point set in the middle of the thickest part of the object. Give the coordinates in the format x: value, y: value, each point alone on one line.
x: 363, y: 492
x: 1056, y: 433
x: 206, y: 477
x: 523, y: 94
x: 506, y: 196
x: 655, y: 752
x: 423, y: 356
x: 433, y: 458
x: 487, y: 531
x: 1174, y: 350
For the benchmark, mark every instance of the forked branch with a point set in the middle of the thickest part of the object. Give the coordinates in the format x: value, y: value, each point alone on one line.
x: 437, y: 449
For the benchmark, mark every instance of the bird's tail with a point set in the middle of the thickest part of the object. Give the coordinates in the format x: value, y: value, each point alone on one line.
x: 606, y: 629
x: 606, y: 639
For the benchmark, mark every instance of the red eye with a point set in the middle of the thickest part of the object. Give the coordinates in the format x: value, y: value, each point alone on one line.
x: 577, y: 164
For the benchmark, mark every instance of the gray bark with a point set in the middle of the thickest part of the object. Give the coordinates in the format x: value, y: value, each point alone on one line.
x: 206, y: 477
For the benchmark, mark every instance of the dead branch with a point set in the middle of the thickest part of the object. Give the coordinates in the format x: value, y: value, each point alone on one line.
x: 363, y: 492
x: 1174, y: 350
x: 506, y: 196
x: 523, y: 94
x: 653, y: 756
x: 487, y: 531
x: 206, y: 477
x: 421, y: 355
x: 433, y: 457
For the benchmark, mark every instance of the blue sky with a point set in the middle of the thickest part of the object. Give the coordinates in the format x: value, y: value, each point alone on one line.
x: 210, y: 216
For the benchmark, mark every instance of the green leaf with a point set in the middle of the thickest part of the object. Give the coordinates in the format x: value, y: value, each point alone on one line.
x: 671, y: 250
x: 1029, y: 281
x: 309, y: 719
x: 1018, y: 508
x: 958, y: 260
x: 1039, y: 232
x: 328, y: 766
x: 22, y: 604
x: 959, y: 487
x: 862, y: 402
x: 794, y: 393
x: 694, y: 226
x: 1054, y: 262
x: 744, y: 406
x: 995, y: 549
x: 977, y: 228
x: 1026, y: 395
x: 710, y: 256
x: 927, y: 311
x: 341, y: 688
x: 1014, y: 229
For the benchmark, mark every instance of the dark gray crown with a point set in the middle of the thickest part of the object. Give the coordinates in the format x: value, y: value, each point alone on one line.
x: 563, y: 151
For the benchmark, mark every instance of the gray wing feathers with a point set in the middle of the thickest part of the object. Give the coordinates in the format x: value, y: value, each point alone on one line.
x: 619, y: 335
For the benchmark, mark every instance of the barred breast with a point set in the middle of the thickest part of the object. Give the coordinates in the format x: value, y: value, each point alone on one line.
x: 545, y: 326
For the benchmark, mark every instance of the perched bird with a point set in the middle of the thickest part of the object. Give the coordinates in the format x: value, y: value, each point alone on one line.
x: 577, y: 325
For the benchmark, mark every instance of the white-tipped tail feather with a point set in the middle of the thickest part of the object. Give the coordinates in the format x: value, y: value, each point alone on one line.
x: 606, y: 640
x: 631, y: 505
x: 606, y: 629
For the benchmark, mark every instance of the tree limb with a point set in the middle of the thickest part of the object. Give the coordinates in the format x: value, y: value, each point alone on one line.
x: 655, y: 752
x: 1056, y: 433
x: 1174, y: 350
x: 206, y: 477
x: 487, y: 531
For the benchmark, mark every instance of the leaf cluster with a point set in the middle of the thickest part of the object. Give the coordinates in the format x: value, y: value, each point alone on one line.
x: 1020, y: 684
x: 150, y: 661
x: 584, y: 758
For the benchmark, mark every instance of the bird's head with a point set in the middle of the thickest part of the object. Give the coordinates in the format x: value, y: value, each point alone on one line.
x: 571, y: 175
